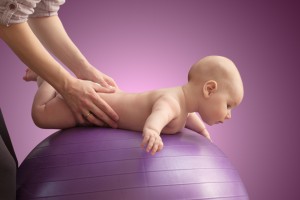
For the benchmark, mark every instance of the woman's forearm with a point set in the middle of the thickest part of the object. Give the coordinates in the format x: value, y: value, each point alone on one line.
x: 28, y: 48
x: 52, y: 34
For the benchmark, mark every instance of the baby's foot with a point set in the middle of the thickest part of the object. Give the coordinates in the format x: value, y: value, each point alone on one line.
x: 30, y: 75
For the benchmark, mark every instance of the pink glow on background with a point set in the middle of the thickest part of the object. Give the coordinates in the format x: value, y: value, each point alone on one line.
x: 151, y: 44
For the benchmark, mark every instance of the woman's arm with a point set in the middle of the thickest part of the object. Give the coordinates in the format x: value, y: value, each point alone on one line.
x: 80, y: 95
x: 61, y: 45
x: 28, y: 48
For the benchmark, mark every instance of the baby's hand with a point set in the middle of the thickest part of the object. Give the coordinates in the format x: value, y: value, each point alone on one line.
x: 152, y: 140
x: 206, y: 134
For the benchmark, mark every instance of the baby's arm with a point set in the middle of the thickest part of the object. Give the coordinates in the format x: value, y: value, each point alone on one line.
x: 49, y: 110
x: 164, y: 110
x: 194, y: 123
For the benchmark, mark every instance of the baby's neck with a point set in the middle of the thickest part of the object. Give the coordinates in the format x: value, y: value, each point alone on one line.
x: 190, y: 98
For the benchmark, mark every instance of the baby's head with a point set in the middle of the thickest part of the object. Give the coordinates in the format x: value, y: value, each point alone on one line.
x: 219, y: 85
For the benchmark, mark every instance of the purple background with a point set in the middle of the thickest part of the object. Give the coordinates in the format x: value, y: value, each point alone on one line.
x: 151, y: 44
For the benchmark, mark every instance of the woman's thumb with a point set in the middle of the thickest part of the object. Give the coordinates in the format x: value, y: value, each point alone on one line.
x: 104, y: 88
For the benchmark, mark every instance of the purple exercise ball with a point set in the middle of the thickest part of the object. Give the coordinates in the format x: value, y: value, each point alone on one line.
x: 102, y: 163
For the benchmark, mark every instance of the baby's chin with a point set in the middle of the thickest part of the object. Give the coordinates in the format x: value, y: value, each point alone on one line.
x: 211, y: 123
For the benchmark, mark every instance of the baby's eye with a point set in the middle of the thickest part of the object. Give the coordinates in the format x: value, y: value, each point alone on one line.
x: 228, y: 106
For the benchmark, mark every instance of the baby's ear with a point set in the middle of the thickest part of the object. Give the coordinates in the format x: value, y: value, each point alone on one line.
x: 209, y: 88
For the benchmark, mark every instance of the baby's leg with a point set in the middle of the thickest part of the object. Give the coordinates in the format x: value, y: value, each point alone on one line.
x: 49, y: 110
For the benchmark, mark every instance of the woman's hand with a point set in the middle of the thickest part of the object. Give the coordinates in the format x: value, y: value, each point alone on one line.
x: 86, y: 104
x: 93, y: 74
x: 84, y: 101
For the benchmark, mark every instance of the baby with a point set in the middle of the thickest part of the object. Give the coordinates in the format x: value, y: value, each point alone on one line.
x: 213, y: 89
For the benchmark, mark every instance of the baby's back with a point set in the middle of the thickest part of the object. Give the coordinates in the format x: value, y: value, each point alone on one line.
x: 134, y: 108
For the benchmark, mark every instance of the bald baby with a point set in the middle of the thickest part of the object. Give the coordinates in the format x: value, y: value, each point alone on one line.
x: 213, y: 89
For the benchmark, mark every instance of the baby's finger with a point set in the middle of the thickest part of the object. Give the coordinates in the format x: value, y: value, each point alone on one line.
x: 145, y: 141
x: 150, y: 144
x: 155, y: 148
x: 208, y: 137
x: 160, y: 146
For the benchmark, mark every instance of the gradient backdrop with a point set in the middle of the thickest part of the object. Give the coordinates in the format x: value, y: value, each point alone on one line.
x: 151, y: 44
